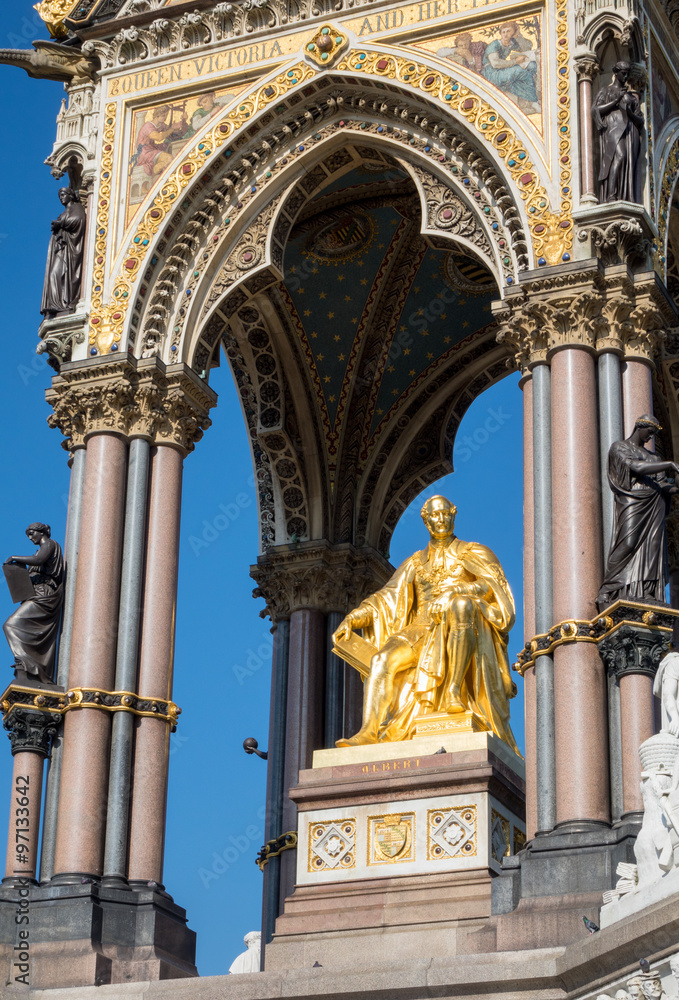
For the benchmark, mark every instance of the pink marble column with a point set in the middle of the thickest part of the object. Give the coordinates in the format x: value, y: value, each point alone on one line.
x: 84, y: 775
x: 579, y: 677
x: 304, y: 721
x: 585, y: 69
x: 637, y: 724
x: 24, y: 816
x: 152, y: 736
x: 529, y: 608
x: 637, y: 392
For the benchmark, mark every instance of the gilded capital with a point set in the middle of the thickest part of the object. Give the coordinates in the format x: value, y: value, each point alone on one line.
x: 166, y: 405
x: 316, y: 575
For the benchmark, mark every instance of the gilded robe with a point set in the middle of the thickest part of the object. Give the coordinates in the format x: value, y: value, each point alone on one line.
x: 396, y: 611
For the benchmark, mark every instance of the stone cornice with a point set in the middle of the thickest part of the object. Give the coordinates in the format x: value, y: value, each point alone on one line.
x: 163, y: 404
x: 317, y: 575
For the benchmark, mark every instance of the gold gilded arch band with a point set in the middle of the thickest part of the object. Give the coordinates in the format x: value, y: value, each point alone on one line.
x: 552, y: 232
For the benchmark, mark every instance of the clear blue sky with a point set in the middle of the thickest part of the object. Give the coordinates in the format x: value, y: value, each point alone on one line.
x: 222, y: 667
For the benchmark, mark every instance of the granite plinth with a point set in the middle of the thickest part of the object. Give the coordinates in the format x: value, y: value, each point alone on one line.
x: 90, y: 934
x: 595, y: 964
x: 397, y: 847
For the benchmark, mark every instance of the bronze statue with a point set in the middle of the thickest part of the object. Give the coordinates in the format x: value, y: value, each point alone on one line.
x: 33, y: 629
x: 637, y: 560
x: 620, y: 123
x: 63, y: 275
x: 438, y: 634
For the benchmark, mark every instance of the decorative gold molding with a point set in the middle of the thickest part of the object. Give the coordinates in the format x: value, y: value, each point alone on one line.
x: 107, y: 321
x: 272, y: 848
x: 552, y: 232
x: 631, y: 613
x: 59, y: 702
x: 166, y: 405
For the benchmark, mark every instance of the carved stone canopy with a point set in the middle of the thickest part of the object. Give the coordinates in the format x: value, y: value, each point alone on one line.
x: 164, y: 404
x: 317, y: 575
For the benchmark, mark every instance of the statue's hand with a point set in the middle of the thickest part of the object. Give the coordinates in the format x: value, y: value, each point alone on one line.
x: 343, y: 633
x: 437, y: 611
x: 673, y: 729
x: 9, y: 561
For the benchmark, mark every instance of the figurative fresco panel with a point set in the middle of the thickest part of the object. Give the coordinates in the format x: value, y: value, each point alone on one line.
x: 663, y: 90
x: 508, y: 54
x: 159, y: 133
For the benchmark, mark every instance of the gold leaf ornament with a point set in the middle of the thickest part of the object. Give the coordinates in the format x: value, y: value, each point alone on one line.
x: 54, y: 13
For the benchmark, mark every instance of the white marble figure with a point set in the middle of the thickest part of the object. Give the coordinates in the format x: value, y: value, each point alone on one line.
x: 249, y: 961
x: 644, y: 986
x: 657, y: 846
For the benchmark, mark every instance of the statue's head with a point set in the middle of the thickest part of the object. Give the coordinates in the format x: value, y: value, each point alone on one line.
x: 647, y: 426
x: 438, y: 514
x: 68, y: 194
x: 621, y: 70
x: 36, y: 531
x: 651, y: 986
x: 252, y: 938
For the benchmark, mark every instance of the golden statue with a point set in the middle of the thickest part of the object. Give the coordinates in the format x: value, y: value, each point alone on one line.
x: 434, y: 652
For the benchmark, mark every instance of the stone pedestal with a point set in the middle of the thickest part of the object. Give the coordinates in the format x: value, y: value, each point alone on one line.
x: 89, y: 934
x: 397, y: 847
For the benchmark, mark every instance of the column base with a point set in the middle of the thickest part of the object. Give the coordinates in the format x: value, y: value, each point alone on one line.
x: 544, y: 891
x: 92, y: 935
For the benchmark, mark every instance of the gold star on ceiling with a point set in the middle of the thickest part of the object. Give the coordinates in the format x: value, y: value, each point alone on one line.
x: 321, y: 295
x: 394, y: 392
x: 424, y: 333
x: 331, y: 315
x: 314, y: 334
x: 430, y: 356
x: 465, y: 323
x: 326, y: 378
x: 391, y: 368
x: 331, y: 398
x: 364, y: 281
x: 307, y: 312
x: 340, y: 357
x: 380, y: 412
x: 446, y: 340
x: 347, y: 298
x: 406, y: 350
x: 301, y: 291
x: 340, y: 277
x: 412, y: 372
x: 320, y: 357
x: 337, y: 336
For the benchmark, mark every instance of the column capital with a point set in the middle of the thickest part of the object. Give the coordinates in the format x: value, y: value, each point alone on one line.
x: 586, y: 66
x: 632, y: 649
x: 562, y: 309
x: 31, y: 730
x: 163, y: 404
x: 601, y: 308
x: 317, y: 575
